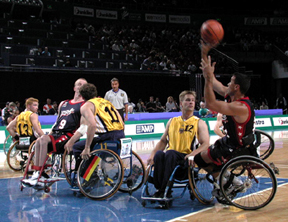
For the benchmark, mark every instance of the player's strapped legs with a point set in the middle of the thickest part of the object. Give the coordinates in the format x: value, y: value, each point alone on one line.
x: 79, y: 146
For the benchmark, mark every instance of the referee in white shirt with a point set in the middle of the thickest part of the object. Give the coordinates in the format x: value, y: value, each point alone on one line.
x: 118, y: 98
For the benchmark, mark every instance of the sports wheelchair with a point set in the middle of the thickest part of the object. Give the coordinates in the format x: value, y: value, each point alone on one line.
x: 18, y: 152
x: 257, y: 179
x: 52, y: 167
x: 112, y: 166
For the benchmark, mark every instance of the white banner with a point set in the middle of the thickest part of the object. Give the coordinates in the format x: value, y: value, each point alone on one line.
x: 262, y: 122
x: 80, y: 11
x: 104, y: 14
x: 181, y: 19
x: 145, y: 128
x: 155, y: 18
x: 280, y: 121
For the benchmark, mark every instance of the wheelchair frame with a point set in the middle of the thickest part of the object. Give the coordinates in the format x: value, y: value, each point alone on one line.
x: 53, y: 169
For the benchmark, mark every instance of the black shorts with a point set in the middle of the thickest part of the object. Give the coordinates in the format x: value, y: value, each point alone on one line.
x: 58, y: 140
x: 220, y: 152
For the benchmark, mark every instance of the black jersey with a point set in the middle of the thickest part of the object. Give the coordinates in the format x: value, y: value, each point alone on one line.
x: 68, y: 119
x: 236, y: 131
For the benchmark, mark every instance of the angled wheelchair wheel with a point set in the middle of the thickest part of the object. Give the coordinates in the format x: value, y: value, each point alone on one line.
x: 248, y: 182
x: 265, y: 144
x: 134, y: 173
x: 201, y: 184
x: 68, y: 166
x: 31, y: 147
x: 101, y: 175
x: 15, y: 157
x: 7, y: 144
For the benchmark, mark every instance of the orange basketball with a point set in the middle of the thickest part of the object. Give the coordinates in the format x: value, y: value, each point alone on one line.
x: 212, y: 32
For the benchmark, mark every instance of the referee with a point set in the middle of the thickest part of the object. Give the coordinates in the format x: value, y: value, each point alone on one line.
x: 118, y: 98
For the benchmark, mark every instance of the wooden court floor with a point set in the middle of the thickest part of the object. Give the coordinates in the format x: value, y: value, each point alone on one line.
x: 275, y: 211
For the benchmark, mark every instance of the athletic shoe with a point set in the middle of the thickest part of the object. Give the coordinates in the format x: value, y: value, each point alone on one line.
x: 158, y: 194
x: 75, y: 188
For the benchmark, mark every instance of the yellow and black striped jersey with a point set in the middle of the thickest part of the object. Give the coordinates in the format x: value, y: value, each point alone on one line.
x: 106, y: 116
x: 24, y: 125
x: 182, y: 134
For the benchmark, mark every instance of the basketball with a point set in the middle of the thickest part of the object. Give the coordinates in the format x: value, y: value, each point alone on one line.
x: 212, y: 32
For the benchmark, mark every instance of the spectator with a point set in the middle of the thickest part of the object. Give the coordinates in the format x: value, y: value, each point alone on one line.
x: 19, y: 106
x: 149, y: 63
x: 130, y: 103
x: 4, y: 110
x: 8, y: 113
x: 47, y: 106
x: 203, y: 111
x: 46, y: 52
x: 54, y: 109
x: 264, y: 106
x: 281, y: 103
x: 171, y: 105
x: 159, y: 106
x: 141, y: 106
x: 68, y: 63
x: 151, y: 105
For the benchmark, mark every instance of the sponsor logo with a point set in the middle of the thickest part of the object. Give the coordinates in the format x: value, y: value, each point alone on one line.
x: 89, y: 12
x: 259, y: 122
x: 106, y: 14
x: 283, y: 122
x: 67, y: 112
x: 256, y: 21
x: 279, y: 21
x: 147, y: 128
x: 179, y: 19
x: 155, y: 18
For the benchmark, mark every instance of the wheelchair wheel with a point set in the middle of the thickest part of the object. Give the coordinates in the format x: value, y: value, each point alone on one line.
x: 101, y: 175
x: 68, y: 165
x: 14, y: 157
x: 201, y: 184
x: 7, y: 143
x: 266, y: 144
x: 31, y: 147
x: 134, y: 173
x: 255, y: 184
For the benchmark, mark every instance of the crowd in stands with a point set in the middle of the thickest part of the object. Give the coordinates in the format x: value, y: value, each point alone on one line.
x: 12, y: 109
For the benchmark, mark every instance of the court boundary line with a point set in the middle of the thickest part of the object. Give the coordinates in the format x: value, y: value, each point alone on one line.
x: 181, y: 218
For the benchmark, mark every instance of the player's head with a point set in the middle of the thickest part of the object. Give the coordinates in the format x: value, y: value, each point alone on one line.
x: 88, y: 91
x: 78, y: 84
x: 32, y: 104
x: 115, y: 84
x: 243, y: 81
x: 186, y: 92
x: 187, y: 100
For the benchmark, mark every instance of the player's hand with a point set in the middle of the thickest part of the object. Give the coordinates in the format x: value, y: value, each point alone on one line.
x: 68, y: 146
x: 207, y: 68
x: 190, y: 159
x: 126, y: 118
x: 150, y: 161
x: 85, y: 155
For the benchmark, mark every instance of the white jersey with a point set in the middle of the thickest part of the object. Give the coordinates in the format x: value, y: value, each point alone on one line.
x: 119, y: 99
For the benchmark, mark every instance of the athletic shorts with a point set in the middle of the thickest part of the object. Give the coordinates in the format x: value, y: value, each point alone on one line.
x: 220, y: 152
x: 58, y: 140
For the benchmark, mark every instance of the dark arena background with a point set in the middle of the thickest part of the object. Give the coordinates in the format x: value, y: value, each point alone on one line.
x: 106, y: 39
